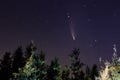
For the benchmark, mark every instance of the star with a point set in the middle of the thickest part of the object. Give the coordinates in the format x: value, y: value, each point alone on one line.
x: 95, y: 40
x: 68, y: 15
x: 93, y: 44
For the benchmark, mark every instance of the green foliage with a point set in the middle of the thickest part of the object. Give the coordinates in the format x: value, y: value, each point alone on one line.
x: 41, y: 66
x: 29, y: 71
x: 66, y: 73
x: 34, y: 69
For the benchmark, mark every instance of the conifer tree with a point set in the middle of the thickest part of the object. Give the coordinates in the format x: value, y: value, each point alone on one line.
x: 82, y: 75
x: 88, y: 73
x: 41, y: 66
x: 53, y: 72
x: 94, y: 72
x: 29, y: 71
x: 66, y: 73
x: 18, y: 60
x: 29, y: 49
x: 5, y: 68
x: 76, y: 65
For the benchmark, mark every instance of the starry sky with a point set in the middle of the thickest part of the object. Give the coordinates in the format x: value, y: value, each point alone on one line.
x: 59, y: 26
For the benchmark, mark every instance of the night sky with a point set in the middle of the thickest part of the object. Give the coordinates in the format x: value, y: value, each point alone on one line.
x: 59, y: 26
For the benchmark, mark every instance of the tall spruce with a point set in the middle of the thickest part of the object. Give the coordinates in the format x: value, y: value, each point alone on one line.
x: 76, y: 65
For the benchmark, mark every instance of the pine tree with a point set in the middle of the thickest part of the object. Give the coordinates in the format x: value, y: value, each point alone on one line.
x: 53, y: 72
x: 76, y: 65
x: 88, y: 73
x: 66, y: 73
x: 82, y: 75
x: 29, y: 49
x: 5, y: 68
x: 18, y: 60
x: 30, y: 70
x: 41, y: 66
x: 94, y: 72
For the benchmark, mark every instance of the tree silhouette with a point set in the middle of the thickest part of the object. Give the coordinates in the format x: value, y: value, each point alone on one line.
x: 31, y: 47
x: 82, y: 75
x: 94, y: 72
x: 88, y: 73
x: 5, y: 68
x: 53, y: 72
x: 18, y: 60
x: 30, y: 66
x: 76, y: 64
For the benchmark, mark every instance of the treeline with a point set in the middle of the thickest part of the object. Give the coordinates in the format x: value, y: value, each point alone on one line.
x: 28, y: 65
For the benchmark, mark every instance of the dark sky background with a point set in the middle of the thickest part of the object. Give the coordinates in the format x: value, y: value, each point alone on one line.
x: 95, y: 24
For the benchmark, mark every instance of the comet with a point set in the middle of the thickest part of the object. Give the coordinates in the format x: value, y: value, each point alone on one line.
x: 72, y: 33
x: 71, y: 25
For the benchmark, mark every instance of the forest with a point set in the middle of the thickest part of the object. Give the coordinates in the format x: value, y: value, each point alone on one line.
x: 29, y: 65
